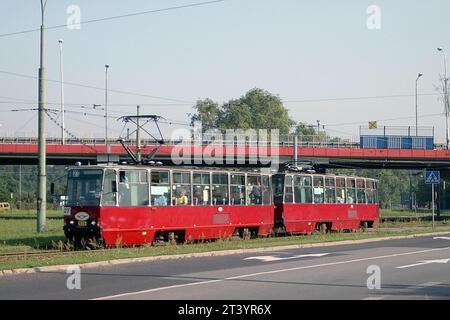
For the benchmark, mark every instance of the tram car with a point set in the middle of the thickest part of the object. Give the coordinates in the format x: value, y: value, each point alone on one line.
x: 130, y: 205
x: 138, y: 204
x: 311, y: 203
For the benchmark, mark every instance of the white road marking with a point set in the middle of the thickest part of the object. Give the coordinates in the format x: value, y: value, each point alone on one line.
x: 273, y: 258
x: 441, y: 238
x: 269, y: 272
x: 424, y: 262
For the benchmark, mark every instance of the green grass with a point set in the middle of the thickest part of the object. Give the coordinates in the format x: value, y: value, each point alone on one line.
x: 29, y: 214
x: 227, y: 244
x: 21, y: 235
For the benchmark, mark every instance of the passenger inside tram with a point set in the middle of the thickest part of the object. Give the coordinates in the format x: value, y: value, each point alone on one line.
x: 182, y: 199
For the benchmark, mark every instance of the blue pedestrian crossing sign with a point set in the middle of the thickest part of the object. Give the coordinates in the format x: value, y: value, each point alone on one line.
x: 432, y: 177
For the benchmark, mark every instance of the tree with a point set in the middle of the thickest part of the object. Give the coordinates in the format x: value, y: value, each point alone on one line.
x: 257, y: 109
x: 207, y: 112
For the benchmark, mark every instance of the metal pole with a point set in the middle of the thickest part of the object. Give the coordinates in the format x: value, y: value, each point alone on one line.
x: 446, y: 106
x: 63, y: 133
x: 295, y: 148
x: 20, y: 187
x: 42, y: 192
x: 432, y: 202
x: 106, y: 103
x: 417, y: 79
x: 138, y: 138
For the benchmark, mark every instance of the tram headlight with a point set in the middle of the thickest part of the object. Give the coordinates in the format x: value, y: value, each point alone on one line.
x: 93, y: 223
x: 72, y: 222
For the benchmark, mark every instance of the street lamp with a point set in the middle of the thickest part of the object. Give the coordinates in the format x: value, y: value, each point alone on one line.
x: 63, y: 139
x: 445, y: 97
x: 418, y: 76
x: 106, y: 103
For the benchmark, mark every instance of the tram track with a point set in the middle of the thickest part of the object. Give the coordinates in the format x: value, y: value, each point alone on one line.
x: 43, y: 253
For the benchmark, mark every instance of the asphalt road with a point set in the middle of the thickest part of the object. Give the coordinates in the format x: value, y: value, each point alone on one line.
x: 417, y: 268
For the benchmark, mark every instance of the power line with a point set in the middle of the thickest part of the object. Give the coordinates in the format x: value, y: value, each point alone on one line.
x: 116, y: 17
x: 98, y: 88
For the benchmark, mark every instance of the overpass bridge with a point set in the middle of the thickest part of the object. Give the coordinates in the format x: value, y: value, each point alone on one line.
x: 336, y: 153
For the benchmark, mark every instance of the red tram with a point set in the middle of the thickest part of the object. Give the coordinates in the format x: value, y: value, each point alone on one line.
x: 126, y: 205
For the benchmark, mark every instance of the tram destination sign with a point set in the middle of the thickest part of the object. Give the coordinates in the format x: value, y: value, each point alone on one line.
x: 432, y: 177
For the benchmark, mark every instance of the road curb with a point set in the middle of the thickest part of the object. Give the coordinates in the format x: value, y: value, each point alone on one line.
x: 208, y: 254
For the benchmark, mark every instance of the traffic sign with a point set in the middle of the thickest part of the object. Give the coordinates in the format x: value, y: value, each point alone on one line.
x: 372, y: 125
x: 432, y: 177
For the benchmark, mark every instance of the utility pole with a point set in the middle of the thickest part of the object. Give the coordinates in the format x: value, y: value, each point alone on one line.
x: 446, y: 106
x: 138, y: 138
x: 42, y: 177
x: 318, y: 127
x: 106, y: 103
x: 63, y: 133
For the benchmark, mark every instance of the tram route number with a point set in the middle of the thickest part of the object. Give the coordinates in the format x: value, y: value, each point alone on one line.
x: 225, y: 309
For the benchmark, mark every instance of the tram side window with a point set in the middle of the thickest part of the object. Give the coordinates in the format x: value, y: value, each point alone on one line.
x: 109, y: 189
x: 160, y: 191
x: 181, y: 188
x: 303, y: 189
x: 220, y: 189
x: 351, y: 192
x: 330, y: 190
x: 133, y: 188
x: 361, y: 191
x: 341, y: 194
x: 318, y: 189
x: 370, y: 192
x: 237, y: 189
x: 266, y: 196
x: 201, y: 189
x: 254, y: 190
x: 288, y: 191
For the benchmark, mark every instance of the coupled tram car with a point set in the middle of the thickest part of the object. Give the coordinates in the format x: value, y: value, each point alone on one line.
x: 133, y: 205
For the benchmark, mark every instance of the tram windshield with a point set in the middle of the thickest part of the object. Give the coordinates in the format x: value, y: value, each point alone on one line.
x: 83, y: 187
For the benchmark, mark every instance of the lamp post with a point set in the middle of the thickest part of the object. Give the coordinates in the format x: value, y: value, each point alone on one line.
x: 106, y: 103
x: 445, y: 97
x: 63, y: 138
x: 417, y: 79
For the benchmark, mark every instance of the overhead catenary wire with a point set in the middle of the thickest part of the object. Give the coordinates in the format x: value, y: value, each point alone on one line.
x: 98, y: 88
x: 197, y: 4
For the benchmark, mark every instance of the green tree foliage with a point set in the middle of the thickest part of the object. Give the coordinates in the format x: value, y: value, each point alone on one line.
x: 206, y: 111
x: 257, y: 109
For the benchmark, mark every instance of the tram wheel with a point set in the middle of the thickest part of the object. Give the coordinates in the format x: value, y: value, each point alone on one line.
x: 246, y: 235
x: 323, y: 228
x: 172, y: 238
x: 364, y: 226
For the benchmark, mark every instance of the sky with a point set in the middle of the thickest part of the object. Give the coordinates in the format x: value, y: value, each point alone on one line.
x: 318, y: 56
